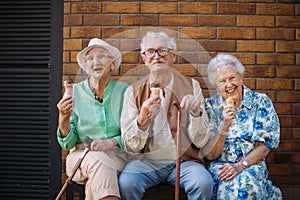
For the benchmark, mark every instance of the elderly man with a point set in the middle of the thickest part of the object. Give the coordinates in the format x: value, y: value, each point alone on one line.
x: 149, y: 126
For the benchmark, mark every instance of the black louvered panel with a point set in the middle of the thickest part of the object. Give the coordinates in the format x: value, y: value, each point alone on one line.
x: 24, y: 133
x: 25, y: 32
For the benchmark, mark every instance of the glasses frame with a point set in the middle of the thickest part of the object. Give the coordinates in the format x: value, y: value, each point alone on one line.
x: 156, y: 51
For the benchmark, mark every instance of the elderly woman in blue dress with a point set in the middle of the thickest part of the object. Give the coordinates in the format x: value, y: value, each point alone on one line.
x: 242, y: 133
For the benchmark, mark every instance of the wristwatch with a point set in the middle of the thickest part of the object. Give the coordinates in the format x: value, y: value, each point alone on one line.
x: 245, y: 164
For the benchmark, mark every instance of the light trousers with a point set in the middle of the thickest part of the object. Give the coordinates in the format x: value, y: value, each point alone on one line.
x: 139, y: 175
x: 98, y: 171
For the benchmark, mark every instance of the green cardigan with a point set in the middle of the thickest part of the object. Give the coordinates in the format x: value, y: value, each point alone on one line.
x: 92, y: 118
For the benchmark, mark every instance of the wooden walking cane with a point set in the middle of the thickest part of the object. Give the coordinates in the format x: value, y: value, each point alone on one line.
x: 178, y: 153
x: 75, y: 168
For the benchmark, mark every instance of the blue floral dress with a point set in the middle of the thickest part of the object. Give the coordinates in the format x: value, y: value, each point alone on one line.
x: 255, y: 121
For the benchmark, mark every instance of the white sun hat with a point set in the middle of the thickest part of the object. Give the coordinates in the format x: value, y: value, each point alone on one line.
x: 96, y: 42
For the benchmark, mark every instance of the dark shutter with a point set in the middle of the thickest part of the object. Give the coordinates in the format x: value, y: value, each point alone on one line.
x: 30, y: 77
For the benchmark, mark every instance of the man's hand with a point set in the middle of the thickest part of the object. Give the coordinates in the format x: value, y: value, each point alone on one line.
x: 149, y: 110
x: 192, y: 103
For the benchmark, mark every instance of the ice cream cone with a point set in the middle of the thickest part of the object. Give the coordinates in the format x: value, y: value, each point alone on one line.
x: 230, y: 100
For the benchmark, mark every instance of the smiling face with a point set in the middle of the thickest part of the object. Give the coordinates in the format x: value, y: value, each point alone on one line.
x: 229, y: 83
x: 158, y: 64
x: 99, y: 62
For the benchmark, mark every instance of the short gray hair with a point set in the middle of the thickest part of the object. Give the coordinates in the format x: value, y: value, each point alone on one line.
x: 171, y: 41
x: 223, y: 60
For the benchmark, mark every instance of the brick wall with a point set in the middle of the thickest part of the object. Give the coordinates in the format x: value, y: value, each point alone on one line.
x: 263, y: 34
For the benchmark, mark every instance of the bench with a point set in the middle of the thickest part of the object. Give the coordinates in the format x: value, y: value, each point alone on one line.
x: 159, y: 192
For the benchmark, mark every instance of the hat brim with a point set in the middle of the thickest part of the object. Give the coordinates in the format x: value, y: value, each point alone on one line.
x: 112, y: 50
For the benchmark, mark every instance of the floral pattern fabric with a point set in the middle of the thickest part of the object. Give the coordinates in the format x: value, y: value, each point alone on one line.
x: 255, y: 121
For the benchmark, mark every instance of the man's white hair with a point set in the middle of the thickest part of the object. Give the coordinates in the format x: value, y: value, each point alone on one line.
x: 151, y: 35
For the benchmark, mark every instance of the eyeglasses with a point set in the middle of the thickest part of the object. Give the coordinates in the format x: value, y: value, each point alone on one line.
x: 100, y: 57
x: 150, y: 53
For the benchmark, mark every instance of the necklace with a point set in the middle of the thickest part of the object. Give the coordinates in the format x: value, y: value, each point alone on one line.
x: 97, y: 98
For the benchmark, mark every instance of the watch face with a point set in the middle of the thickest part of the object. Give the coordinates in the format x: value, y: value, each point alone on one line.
x: 245, y: 163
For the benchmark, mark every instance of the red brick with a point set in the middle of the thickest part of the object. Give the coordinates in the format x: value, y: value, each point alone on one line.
x: 236, y: 33
x: 296, y: 169
x: 274, y: 9
x: 259, y: 71
x: 275, y: 33
x: 67, y: 8
x: 73, y: 56
x: 261, y: 21
x: 287, y: 22
x: 283, y: 108
x: 287, y: 1
x: 72, y: 20
x: 159, y: 7
x: 101, y: 20
x: 297, y: 84
x: 130, y: 45
x: 66, y: 32
x: 130, y: 57
x: 197, y: 33
x: 71, y: 69
x: 255, y: 46
x: 217, y: 20
x: 250, y: 83
x: 274, y: 59
x: 120, y: 7
x: 285, y: 134
x: 66, y: 56
x: 296, y: 133
x: 289, y: 97
x: 86, y: 32
x: 288, y: 71
x: 292, y: 146
x: 177, y: 20
x: 86, y: 7
x: 219, y: 45
x: 256, y: 1
x: 245, y: 59
x: 72, y: 44
x: 193, y: 57
x: 290, y: 121
x: 129, y: 33
x: 187, y: 45
x: 236, y: 9
x: 287, y: 46
x: 288, y: 157
x: 297, y: 109
x: 139, y: 20
x: 280, y: 170
x: 286, y: 180
x: 186, y: 69
x: 274, y: 84
x: 197, y: 8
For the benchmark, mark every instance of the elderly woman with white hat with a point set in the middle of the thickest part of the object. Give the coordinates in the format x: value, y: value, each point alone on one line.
x: 94, y: 110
